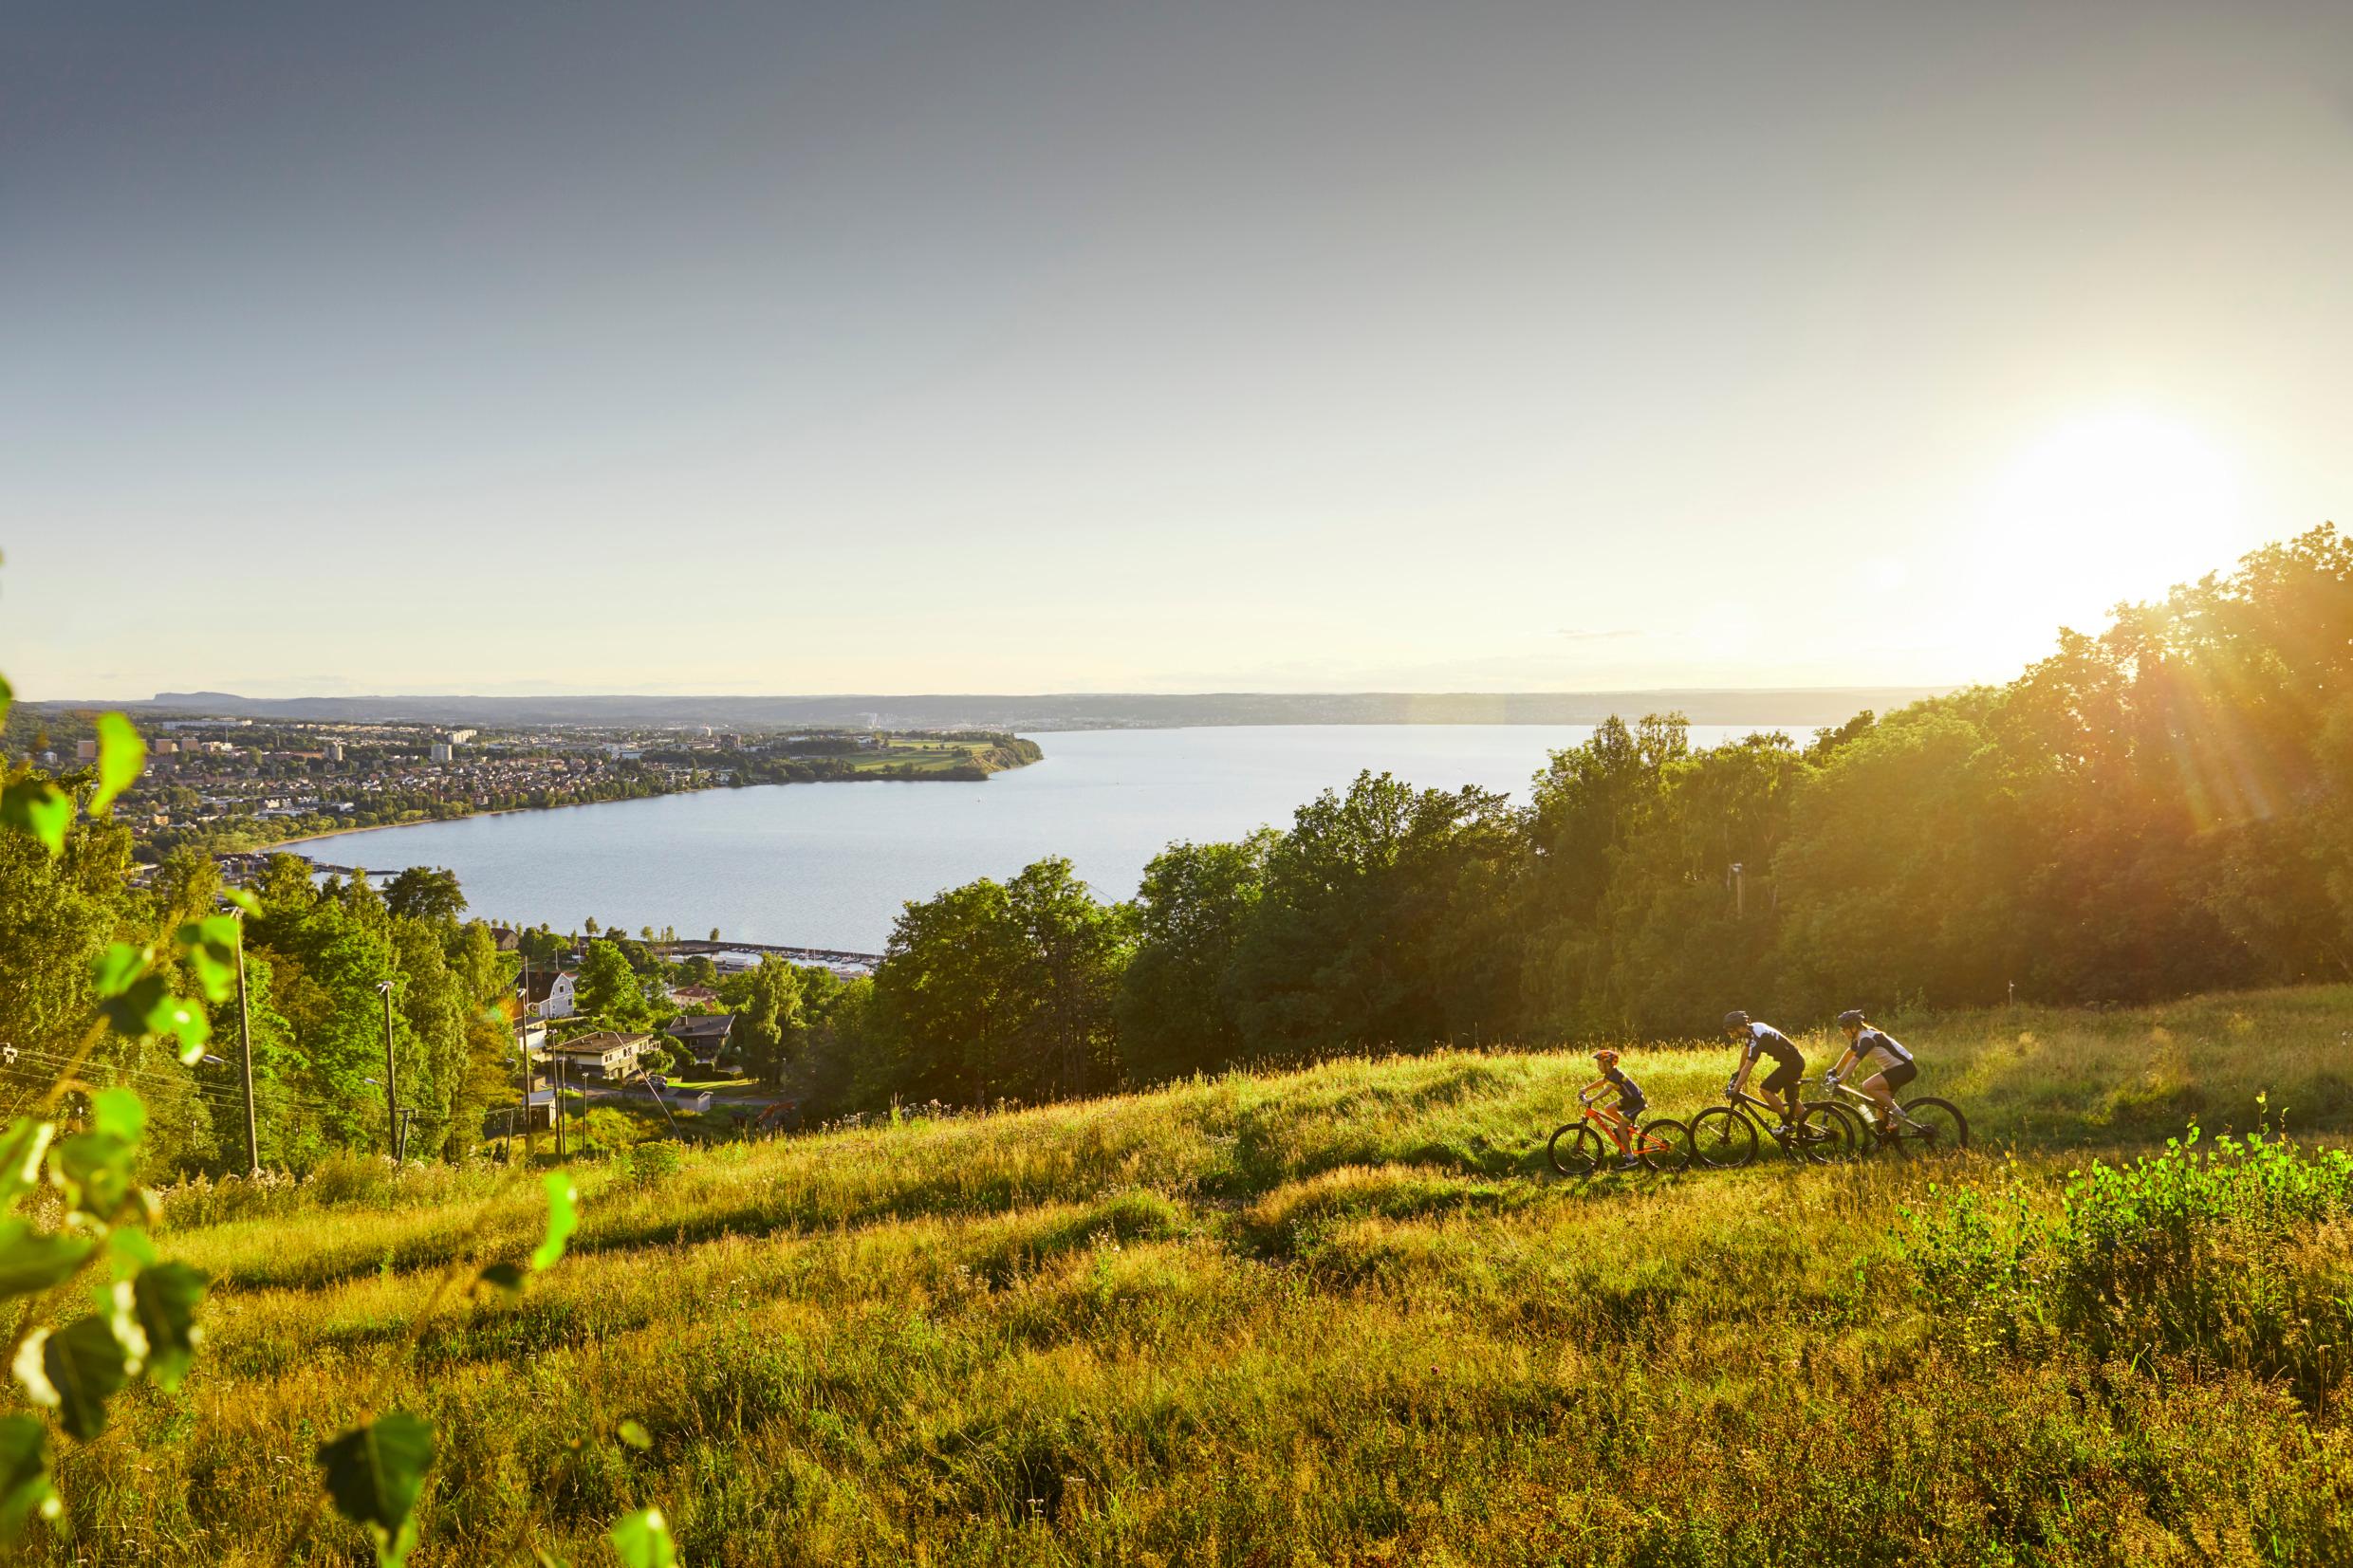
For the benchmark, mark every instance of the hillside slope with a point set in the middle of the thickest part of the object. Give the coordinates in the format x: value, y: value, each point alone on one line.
x: 1332, y: 1316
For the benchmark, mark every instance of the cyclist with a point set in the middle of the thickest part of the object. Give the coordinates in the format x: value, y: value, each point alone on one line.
x: 1630, y: 1104
x: 1781, y: 1084
x: 1865, y: 1042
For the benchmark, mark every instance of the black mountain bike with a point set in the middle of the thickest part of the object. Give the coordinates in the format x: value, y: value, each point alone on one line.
x: 1725, y: 1136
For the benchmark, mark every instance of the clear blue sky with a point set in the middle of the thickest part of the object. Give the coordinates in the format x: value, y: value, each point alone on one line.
x: 1014, y: 346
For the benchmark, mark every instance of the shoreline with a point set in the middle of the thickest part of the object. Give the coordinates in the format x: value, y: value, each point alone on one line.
x: 277, y: 844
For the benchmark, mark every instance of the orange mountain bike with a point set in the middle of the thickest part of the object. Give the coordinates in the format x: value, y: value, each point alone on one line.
x: 1586, y: 1144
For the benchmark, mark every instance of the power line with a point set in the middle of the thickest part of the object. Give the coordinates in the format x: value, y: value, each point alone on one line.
x: 201, y: 1086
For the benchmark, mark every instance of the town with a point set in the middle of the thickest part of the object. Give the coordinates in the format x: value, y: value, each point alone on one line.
x: 224, y: 784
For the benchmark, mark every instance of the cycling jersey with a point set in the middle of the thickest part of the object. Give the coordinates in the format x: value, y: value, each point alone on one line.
x: 1764, y: 1039
x: 1629, y: 1095
x: 1883, y: 1042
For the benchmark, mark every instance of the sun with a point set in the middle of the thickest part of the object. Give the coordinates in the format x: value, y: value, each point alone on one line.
x: 2120, y: 505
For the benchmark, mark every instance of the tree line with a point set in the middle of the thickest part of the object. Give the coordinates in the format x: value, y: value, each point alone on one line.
x: 2160, y: 808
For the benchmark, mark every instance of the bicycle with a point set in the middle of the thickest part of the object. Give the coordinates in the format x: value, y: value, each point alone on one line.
x: 1924, y: 1127
x: 1724, y: 1137
x: 1580, y: 1148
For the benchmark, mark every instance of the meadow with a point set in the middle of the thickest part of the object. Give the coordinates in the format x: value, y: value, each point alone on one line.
x: 1341, y: 1314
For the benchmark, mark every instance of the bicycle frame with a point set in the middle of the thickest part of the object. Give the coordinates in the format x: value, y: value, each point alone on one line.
x: 1629, y: 1140
x: 1875, y: 1120
x: 1749, y: 1108
x: 1875, y: 1124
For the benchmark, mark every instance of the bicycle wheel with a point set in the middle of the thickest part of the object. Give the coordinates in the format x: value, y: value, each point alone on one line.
x: 1823, y: 1135
x: 1575, y: 1150
x: 1722, y: 1139
x: 1863, y: 1133
x: 1942, y: 1130
x: 1665, y: 1144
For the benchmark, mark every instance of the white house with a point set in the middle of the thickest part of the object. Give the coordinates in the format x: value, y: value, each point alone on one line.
x: 551, y: 995
x: 604, y: 1055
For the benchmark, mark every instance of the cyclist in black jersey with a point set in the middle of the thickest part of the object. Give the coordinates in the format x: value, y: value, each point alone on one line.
x: 1630, y: 1102
x: 1866, y: 1042
x: 1781, y: 1084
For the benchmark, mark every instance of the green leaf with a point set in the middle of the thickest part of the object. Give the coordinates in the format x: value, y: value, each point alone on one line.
x: 506, y: 1277
x: 119, y: 1114
x: 33, y: 1261
x: 21, y: 1148
x: 562, y: 1219
x: 87, y: 1365
x: 121, y: 757
x: 114, y: 972
x: 212, y: 948
x: 634, y: 1433
x: 375, y: 1474
x: 642, y: 1540
x: 39, y: 808
x: 138, y: 1003
x: 94, y: 1169
x: 245, y: 899
x: 165, y: 1298
x: 25, y: 1490
x: 7, y: 695
x: 132, y: 1248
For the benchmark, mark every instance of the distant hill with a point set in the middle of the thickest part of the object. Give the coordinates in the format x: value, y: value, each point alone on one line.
x: 1065, y: 710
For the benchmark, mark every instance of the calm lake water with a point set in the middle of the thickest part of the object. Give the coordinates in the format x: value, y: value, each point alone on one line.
x: 827, y: 866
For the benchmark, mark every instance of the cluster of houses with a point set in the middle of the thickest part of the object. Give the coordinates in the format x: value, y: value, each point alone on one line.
x: 609, y: 1059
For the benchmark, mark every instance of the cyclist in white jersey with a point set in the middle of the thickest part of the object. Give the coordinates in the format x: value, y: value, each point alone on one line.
x: 1896, y: 1067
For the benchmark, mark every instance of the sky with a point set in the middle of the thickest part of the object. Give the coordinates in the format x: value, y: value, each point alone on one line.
x: 1271, y: 346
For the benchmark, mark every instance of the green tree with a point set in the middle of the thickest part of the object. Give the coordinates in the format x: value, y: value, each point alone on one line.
x: 1587, y: 803
x: 1385, y: 922
x: 1175, y: 1007
x: 767, y: 1028
x: 608, y: 988
x: 56, y: 914
x: 425, y: 893
x: 1073, y: 949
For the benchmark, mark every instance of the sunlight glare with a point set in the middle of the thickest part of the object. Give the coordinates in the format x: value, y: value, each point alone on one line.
x: 2118, y: 505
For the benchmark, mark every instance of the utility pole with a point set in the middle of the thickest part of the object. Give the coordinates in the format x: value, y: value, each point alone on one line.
x: 660, y: 1102
x: 392, y: 1090
x: 1740, y: 890
x: 531, y: 1072
x: 245, y: 1060
x: 558, y: 1108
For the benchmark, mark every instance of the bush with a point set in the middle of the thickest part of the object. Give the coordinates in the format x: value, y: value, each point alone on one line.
x: 2225, y: 1256
x: 612, y: 1130
x: 651, y: 1163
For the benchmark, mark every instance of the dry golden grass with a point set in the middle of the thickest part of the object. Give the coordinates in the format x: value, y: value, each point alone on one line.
x: 1326, y: 1317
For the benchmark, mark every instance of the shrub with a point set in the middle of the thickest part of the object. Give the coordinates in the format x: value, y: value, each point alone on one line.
x: 612, y: 1130
x: 2224, y: 1256
x: 651, y: 1163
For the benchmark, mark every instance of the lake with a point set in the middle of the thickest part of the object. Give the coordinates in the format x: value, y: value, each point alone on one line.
x: 827, y: 866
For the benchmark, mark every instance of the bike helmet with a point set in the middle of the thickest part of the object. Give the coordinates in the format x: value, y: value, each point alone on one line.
x: 1851, y: 1019
x: 1735, y: 1019
x: 1606, y: 1058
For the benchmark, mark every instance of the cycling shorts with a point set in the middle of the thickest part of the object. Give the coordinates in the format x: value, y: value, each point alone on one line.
x: 1632, y: 1109
x: 1785, y: 1077
x: 1901, y: 1073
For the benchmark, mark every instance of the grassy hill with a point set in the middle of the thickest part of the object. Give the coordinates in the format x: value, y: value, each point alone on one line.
x: 1333, y: 1316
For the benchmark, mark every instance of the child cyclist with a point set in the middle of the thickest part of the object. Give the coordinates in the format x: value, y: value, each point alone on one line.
x: 1781, y: 1084
x: 1865, y: 1043
x: 1630, y: 1105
